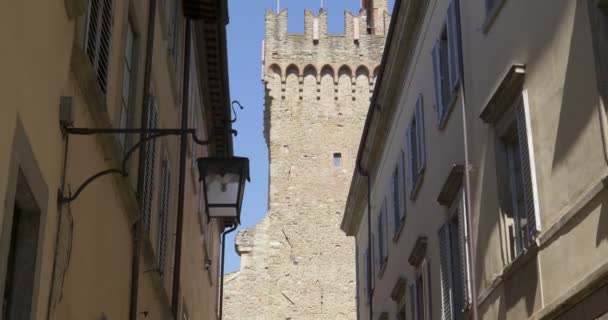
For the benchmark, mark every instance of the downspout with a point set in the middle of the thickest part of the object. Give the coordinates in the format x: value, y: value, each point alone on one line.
x: 137, y: 234
x: 467, y: 184
x: 177, y: 259
x: 221, y: 297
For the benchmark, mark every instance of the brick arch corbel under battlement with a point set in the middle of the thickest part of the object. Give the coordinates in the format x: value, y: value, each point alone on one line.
x: 276, y: 71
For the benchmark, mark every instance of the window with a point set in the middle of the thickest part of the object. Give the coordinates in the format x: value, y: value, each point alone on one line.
x: 174, y: 33
x: 337, y: 159
x: 127, y: 77
x: 368, y: 284
x: 420, y: 293
x: 401, y: 313
x: 99, y: 33
x: 447, y: 64
x: 163, y: 210
x: 22, y: 244
x: 491, y: 5
x: 416, y: 148
x: 516, y: 173
x: 398, y: 194
x: 149, y: 164
x: 453, y: 270
x: 382, y: 238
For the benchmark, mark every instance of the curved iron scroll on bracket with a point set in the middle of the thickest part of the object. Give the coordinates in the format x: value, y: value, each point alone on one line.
x: 123, y: 171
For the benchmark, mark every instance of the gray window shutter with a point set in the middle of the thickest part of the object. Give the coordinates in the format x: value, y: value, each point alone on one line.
x: 445, y: 255
x: 420, y: 135
x: 396, y: 194
x: 413, y: 300
x: 367, y: 282
x: 403, y: 185
x: 163, y: 217
x: 427, y: 290
x: 385, y: 231
x: 410, y: 152
x: 526, y: 172
x: 437, y: 78
x: 453, y: 30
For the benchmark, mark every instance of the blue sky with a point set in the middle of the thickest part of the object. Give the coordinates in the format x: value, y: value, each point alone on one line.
x: 245, y: 35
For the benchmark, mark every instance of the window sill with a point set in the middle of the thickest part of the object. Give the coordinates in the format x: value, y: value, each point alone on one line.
x: 507, y: 272
x: 491, y: 16
x: 397, y: 233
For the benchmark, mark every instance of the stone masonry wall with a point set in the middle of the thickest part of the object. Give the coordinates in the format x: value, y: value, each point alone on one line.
x: 296, y: 263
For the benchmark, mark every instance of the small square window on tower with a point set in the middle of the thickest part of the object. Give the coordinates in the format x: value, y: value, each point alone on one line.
x: 337, y: 159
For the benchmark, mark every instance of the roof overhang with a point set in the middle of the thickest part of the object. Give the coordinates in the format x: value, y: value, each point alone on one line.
x: 210, y: 18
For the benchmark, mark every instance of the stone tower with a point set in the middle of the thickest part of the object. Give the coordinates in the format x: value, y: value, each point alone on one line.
x: 296, y: 263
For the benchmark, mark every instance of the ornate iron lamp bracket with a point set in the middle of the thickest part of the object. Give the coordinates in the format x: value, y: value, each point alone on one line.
x: 153, y: 135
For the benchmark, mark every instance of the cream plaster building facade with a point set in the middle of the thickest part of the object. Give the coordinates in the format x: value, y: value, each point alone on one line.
x: 296, y: 264
x: 76, y: 260
x: 479, y: 190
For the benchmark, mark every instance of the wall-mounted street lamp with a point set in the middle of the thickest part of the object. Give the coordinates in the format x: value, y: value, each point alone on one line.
x: 223, y: 185
x: 223, y: 178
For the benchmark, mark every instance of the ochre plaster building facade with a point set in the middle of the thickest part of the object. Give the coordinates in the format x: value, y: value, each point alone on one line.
x: 296, y: 264
x: 481, y: 191
x: 75, y: 261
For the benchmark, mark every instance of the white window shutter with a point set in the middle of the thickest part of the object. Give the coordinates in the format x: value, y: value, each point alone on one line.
x: 437, y: 79
x: 462, y: 235
x: 528, y: 189
x: 445, y: 256
x: 420, y: 134
x: 453, y: 30
x: 315, y: 29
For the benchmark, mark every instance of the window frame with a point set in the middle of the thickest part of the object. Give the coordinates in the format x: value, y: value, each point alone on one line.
x: 423, y: 273
x: 508, y: 128
x: 447, y: 64
x: 416, y: 148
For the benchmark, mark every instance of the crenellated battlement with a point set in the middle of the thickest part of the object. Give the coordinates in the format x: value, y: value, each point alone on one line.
x: 315, y: 26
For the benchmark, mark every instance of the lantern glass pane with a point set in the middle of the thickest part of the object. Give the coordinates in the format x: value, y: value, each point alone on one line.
x: 222, y: 191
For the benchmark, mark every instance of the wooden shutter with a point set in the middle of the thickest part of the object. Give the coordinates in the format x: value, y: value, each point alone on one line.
x: 522, y: 134
x: 99, y: 34
x: 421, y: 161
x: 163, y: 216
x: 436, y: 53
x: 149, y: 167
x: 453, y: 30
x: 445, y: 256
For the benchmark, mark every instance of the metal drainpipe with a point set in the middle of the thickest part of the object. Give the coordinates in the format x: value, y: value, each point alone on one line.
x: 221, y: 297
x: 177, y: 260
x: 467, y: 178
x: 137, y: 234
